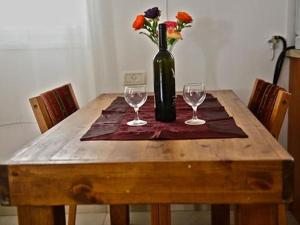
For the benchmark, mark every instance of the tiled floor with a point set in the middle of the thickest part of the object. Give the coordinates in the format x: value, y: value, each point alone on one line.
x: 138, y: 218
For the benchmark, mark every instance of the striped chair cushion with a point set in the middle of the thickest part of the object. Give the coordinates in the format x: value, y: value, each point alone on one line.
x: 263, y: 101
x: 59, y: 103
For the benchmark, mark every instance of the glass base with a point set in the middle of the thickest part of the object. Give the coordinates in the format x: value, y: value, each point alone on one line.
x: 136, y: 123
x: 195, y: 122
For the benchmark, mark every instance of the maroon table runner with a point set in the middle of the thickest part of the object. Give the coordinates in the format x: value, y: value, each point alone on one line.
x: 111, y: 125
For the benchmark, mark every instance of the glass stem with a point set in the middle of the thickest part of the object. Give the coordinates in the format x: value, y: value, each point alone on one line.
x: 195, y: 113
x: 136, y: 114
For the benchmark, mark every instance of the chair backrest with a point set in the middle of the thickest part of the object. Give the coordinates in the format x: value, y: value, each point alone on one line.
x: 269, y: 104
x: 53, y: 106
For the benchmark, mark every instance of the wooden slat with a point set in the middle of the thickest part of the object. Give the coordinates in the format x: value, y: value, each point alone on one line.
x: 282, y: 214
x: 261, y: 214
x: 72, y: 214
x: 160, y: 214
x: 41, y: 113
x: 294, y: 130
x: 279, y: 111
x: 138, y: 183
x: 73, y: 95
x: 253, y: 92
x: 119, y: 214
x: 42, y: 215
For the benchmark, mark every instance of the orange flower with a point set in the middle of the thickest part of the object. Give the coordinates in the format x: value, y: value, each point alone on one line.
x: 173, y: 34
x: 184, y: 17
x: 139, y: 22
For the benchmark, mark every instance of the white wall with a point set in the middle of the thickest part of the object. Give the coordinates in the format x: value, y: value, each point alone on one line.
x: 42, y: 45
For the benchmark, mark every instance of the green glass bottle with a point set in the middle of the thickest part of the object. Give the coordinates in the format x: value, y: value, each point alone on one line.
x: 164, y: 80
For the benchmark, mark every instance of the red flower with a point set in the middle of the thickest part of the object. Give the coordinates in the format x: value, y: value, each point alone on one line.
x: 184, y: 17
x: 139, y: 22
x: 171, y: 24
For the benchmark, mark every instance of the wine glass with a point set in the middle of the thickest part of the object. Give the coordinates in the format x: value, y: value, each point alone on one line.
x: 136, y: 96
x: 194, y: 94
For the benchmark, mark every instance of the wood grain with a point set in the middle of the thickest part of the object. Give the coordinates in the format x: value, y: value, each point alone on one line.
x: 61, y: 144
x: 41, y: 114
x: 294, y: 130
x: 138, y: 183
x: 43, y: 215
x: 282, y: 214
x: 119, y: 214
x: 40, y: 111
x: 160, y: 214
x: 214, y: 171
x: 72, y: 214
x: 260, y: 214
x: 293, y: 53
x: 73, y: 95
x: 278, y: 114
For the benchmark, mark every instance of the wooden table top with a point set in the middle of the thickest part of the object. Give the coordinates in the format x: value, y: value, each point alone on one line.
x: 61, y: 144
x: 58, y: 169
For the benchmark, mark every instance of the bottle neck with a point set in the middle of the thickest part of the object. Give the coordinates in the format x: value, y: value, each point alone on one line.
x: 163, y: 37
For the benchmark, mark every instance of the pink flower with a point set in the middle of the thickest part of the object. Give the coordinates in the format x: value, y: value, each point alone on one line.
x: 171, y: 24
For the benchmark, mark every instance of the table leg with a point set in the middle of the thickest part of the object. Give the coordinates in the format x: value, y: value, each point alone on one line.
x: 220, y: 214
x: 282, y: 217
x: 119, y: 214
x: 72, y: 214
x: 41, y: 215
x: 260, y: 214
x: 160, y: 214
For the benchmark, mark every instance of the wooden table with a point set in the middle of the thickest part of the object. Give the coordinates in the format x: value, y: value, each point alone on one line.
x: 57, y: 169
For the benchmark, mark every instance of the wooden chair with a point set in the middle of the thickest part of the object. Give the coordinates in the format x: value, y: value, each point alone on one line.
x: 49, y: 109
x: 53, y: 106
x: 269, y: 104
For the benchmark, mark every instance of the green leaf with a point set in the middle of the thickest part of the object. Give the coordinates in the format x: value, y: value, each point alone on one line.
x: 147, y: 23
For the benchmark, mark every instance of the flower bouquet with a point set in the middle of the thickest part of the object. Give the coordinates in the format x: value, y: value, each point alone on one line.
x: 149, y: 22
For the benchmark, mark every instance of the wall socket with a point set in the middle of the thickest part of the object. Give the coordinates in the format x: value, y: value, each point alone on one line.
x: 135, y: 77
